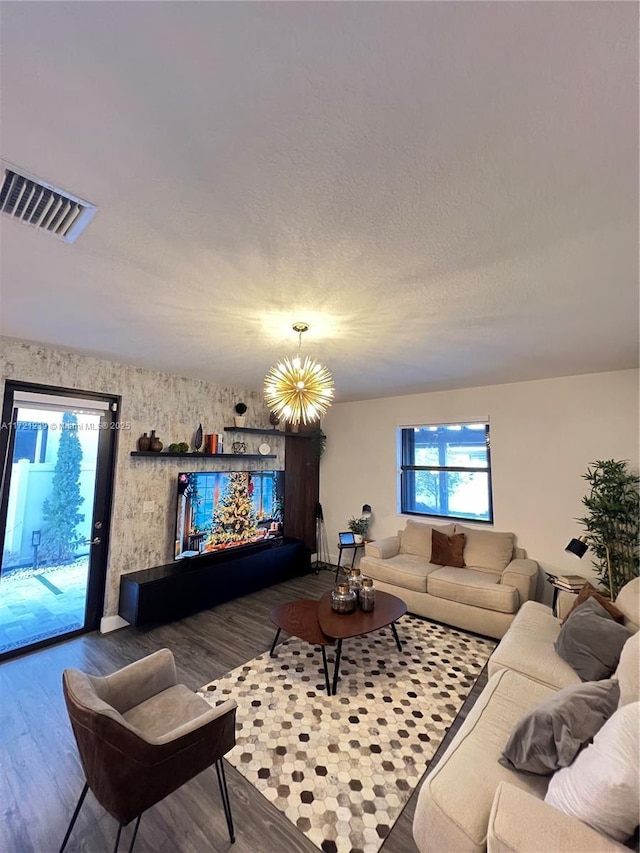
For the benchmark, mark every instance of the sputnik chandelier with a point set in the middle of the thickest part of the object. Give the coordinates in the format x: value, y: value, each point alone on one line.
x: 297, y: 390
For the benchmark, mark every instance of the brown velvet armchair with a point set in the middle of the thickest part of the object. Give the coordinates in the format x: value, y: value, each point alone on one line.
x: 141, y: 735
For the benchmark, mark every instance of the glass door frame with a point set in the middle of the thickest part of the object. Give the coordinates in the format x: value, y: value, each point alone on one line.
x: 103, y: 493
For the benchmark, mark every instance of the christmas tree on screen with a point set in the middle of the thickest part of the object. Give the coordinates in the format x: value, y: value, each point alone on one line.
x: 234, y: 520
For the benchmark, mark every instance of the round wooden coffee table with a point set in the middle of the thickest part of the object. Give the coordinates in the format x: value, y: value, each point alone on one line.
x: 300, y: 619
x: 341, y: 626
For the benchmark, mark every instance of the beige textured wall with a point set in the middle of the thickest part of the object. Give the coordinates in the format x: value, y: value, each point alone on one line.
x: 543, y: 436
x: 173, y: 406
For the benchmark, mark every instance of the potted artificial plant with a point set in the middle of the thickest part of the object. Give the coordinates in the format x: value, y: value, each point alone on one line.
x: 239, y: 419
x: 612, y: 522
x: 358, y: 526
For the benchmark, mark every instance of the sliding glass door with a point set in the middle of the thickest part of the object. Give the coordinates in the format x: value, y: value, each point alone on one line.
x: 58, y: 451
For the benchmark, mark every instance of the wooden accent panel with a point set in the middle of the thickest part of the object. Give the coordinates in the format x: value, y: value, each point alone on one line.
x: 301, y: 490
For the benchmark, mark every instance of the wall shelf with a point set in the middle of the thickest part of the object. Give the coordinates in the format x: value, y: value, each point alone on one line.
x: 170, y: 454
x: 255, y: 430
x: 276, y: 432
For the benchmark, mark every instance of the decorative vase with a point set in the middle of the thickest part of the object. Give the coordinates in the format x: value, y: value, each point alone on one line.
x: 154, y: 442
x: 367, y: 595
x: 355, y: 581
x: 357, y: 538
x: 240, y: 420
x: 343, y: 600
x: 143, y: 442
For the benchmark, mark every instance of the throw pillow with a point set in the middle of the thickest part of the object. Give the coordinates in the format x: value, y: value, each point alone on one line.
x: 589, y: 591
x: 487, y: 549
x: 416, y: 539
x: 447, y: 550
x: 553, y: 733
x: 601, y: 787
x: 591, y: 642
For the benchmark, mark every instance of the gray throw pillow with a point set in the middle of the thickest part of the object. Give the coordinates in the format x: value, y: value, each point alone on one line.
x: 553, y: 733
x: 591, y: 642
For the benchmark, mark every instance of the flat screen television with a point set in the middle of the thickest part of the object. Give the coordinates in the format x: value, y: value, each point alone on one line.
x: 220, y: 510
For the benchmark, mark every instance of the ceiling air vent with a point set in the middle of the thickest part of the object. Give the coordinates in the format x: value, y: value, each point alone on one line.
x: 28, y: 199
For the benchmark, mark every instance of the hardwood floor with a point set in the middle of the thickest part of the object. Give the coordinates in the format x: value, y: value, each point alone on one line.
x: 41, y: 777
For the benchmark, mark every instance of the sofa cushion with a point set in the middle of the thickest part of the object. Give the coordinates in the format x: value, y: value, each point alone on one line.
x: 628, y: 601
x: 487, y: 549
x: 452, y: 812
x: 527, y: 647
x: 404, y: 570
x: 447, y: 550
x: 628, y: 671
x: 551, y: 734
x: 591, y: 642
x: 589, y: 591
x: 601, y: 787
x: 416, y: 538
x: 520, y: 823
x: 479, y: 589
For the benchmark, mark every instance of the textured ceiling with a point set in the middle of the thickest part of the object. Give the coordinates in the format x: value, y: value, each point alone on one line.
x: 446, y: 192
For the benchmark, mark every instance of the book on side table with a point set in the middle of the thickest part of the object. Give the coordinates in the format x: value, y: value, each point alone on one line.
x: 570, y: 583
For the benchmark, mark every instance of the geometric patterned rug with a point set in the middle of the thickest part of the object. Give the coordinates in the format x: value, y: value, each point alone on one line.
x: 341, y: 768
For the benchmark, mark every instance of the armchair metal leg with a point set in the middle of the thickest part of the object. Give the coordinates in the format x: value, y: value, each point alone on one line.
x: 224, y: 793
x: 75, y: 815
x: 135, y: 833
x: 115, y: 849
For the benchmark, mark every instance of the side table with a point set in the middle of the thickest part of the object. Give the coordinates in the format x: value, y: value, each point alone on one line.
x: 557, y: 589
x: 354, y: 547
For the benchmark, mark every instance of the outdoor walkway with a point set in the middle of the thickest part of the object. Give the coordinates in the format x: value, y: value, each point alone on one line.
x: 35, y: 607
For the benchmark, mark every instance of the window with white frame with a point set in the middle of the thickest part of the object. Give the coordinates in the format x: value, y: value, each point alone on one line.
x: 445, y: 471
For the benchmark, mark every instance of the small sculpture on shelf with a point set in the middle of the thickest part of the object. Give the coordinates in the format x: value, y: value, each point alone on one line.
x: 197, y: 441
x: 239, y: 419
x: 274, y: 420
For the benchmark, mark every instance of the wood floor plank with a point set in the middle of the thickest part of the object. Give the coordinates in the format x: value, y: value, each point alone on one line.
x: 41, y: 777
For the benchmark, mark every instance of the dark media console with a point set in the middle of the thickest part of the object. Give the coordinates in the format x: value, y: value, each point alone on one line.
x: 178, y: 589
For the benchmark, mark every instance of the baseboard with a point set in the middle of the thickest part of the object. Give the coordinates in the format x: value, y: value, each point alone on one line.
x: 112, y: 623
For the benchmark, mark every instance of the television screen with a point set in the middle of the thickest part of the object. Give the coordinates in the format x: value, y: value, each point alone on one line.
x: 218, y: 510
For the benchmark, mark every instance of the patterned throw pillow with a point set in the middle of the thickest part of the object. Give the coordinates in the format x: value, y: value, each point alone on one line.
x: 447, y: 550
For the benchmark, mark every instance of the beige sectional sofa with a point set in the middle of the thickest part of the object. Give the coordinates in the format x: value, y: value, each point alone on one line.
x: 470, y: 803
x: 484, y: 596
